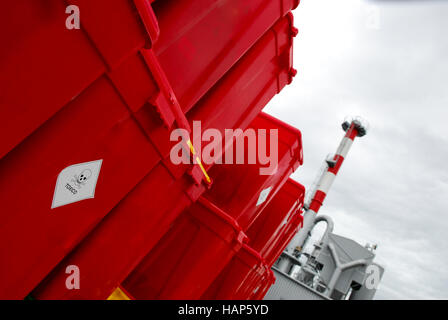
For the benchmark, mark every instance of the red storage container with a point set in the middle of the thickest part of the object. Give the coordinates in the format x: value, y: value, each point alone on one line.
x: 242, y: 93
x: 263, y: 72
x: 240, y: 189
x: 101, y: 254
x: 201, y: 39
x: 109, y: 253
x: 45, y: 172
x: 161, y: 275
x: 292, y: 228
x: 46, y: 65
x: 189, y: 256
x: 248, y: 276
x: 241, y: 279
x: 275, y: 219
x: 266, y: 283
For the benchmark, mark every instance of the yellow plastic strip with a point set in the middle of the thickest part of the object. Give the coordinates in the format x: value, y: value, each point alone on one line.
x: 191, y: 147
x: 198, y: 160
x: 118, y: 294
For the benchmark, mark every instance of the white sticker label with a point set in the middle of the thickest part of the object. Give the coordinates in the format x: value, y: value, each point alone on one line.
x: 76, y: 182
x: 263, y: 195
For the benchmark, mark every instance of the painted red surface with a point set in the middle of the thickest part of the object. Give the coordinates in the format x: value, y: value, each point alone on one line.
x: 248, y: 275
x: 140, y: 220
x: 274, y: 221
x: 237, y: 188
x: 188, y: 258
x: 192, y: 255
x: 242, y: 278
x: 113, y: 92
x: 45, y: 65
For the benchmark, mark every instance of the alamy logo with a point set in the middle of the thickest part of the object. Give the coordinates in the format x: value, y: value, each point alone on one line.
x: 238, y: 146
x: 72, y: 21
x: 72, y: 281
x: 373, y: 278
x: 76, y: 182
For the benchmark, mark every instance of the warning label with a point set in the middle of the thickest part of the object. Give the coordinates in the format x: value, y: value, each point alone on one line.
x: 76, y: 182
x: 263, y: 195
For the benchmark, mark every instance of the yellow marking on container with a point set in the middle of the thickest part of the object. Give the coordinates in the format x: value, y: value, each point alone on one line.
x: 118, y: 294
x: 198, y: 160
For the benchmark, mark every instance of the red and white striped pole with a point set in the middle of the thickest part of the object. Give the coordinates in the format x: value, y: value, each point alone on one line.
x: 353, y: 128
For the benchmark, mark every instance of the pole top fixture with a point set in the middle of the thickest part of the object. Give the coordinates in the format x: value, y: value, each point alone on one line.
x: 361, y: 125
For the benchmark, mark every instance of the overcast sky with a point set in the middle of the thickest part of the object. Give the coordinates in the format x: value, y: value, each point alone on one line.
x: 386, y: 61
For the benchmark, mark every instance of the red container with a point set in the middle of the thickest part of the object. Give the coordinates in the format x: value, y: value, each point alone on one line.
x: 159, y: 275
x: 201, y: 39
x: 34, y: 236
x: 242, y: 93
x: 240, y: 189
x: 292, y: 228
x: 114, y: 248
x: 263, y: 72
x: 266, y: 283
x: 248, y: 275
x: 273, y: 222
x: 189, y: 256
x: 241, y: 279
x: 74, y: 135
x: 46, y: 65
x: 101, y: 254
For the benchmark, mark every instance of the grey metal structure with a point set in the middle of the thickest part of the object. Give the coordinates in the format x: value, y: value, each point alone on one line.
x: 364, y: 293
x: 286, y: 288
x: 338, y: 268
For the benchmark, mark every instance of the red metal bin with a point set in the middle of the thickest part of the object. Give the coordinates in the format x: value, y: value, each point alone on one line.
x: 46, y: 65
x: 258, y: 75
x: 242, y: 93
x: 36, y: 233
x: 201, y: 39
x: 248, y: 276
x: 120, y: 66
x: 266, y: 283
x: 99, y: 255
x: 189, y: 256
x: 159, y: 275
x: 263, y: 72
x: 240, y: 189
x: 114, y: 248
x: 274, y: 220
x: 241, y: 279
x: 292, y: 228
